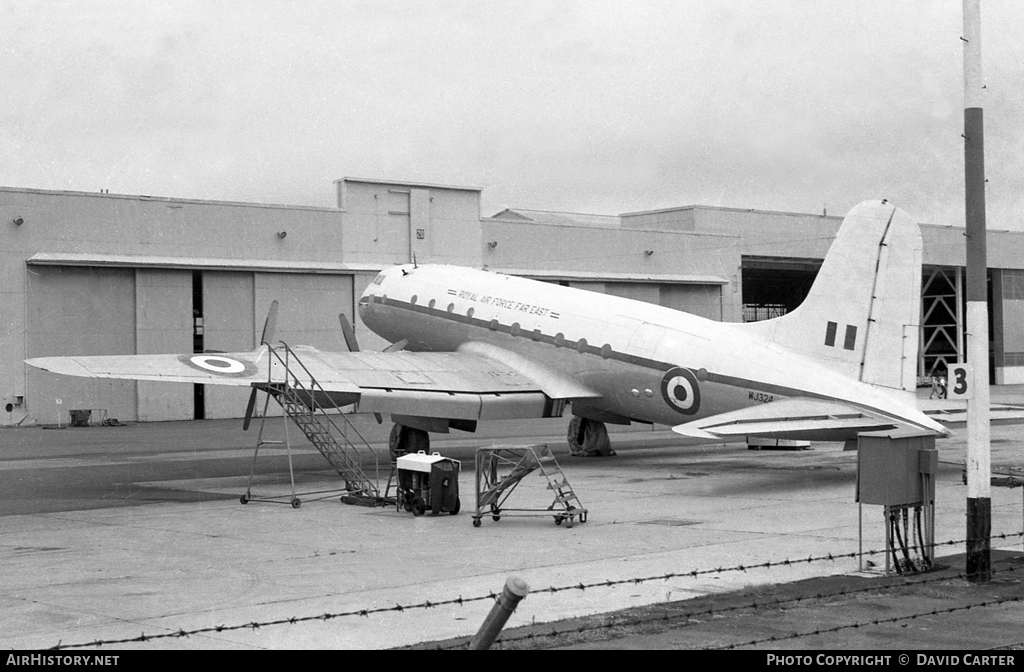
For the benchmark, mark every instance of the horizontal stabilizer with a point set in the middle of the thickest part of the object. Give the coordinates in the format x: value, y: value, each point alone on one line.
x: 796, y: 418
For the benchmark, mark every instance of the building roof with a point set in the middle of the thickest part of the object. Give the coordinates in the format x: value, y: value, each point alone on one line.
x: 207, y: 263
x: 559, y: 218
x: 397, y: 183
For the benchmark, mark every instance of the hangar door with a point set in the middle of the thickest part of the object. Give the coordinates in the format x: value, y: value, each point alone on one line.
x: 702, y: 300
x: 75, y: 310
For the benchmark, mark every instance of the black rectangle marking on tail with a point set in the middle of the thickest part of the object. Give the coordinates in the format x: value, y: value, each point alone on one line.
x: 851, y: 337
x: 830, y: 334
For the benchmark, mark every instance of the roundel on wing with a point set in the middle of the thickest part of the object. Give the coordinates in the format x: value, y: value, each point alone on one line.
x: 219, y: 364
x: 680, y: 390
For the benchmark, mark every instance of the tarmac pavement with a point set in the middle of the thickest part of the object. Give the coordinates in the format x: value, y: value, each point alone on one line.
x: 111, y: 532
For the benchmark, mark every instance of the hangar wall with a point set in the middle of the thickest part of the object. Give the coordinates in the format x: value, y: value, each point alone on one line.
x: 698, y: 273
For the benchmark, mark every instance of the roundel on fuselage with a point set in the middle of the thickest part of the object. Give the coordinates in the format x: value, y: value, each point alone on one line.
x: 680, y: 390
x: 219, y: 364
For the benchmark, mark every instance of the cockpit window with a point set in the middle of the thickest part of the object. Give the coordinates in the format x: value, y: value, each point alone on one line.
x: 378, y: 280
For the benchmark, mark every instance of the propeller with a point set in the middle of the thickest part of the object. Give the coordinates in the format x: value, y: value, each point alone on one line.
x: 269, y: 327
x: 353, y: 346
x: 397, y: 345
x: 349, y: 333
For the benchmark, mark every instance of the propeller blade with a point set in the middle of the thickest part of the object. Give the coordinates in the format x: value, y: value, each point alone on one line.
x: 349, y: 333
x: 269, y: 327
x: 397, y: 345
x: 249, y: 408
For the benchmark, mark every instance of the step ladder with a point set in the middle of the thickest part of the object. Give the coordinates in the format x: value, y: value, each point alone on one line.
x: 306, y: 403
x: 499, y: 469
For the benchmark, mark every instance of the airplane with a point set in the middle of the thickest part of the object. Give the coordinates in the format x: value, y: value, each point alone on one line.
x: 473, y: 345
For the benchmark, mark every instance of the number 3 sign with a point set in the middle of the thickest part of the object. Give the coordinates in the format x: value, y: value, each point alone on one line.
x: 961, y: 381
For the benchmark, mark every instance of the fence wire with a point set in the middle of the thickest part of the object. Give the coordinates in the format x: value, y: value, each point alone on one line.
x: 462, y: 601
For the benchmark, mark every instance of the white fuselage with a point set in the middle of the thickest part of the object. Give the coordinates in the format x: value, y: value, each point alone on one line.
x: 646, y: 362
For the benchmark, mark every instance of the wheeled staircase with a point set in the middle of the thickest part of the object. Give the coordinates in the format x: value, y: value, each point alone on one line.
x: 306, y: 403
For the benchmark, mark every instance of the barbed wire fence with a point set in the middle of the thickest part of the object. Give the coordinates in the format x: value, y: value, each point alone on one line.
x: 463, y: 601
x: 675, y: 617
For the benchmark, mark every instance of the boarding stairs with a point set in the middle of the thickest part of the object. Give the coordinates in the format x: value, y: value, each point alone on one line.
x: 306, y: 403
x: 518, y: 462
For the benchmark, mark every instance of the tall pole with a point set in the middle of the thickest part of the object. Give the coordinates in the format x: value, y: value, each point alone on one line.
x: 979, y: 502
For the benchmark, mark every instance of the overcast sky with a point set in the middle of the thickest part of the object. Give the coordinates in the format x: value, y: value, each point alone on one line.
x: 598, y: 107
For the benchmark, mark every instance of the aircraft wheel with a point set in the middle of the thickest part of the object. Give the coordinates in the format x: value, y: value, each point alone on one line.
x: 417, y: 440
x: 418, y: 506
x: 458, y: 506
x: 575, y: 435
x: 296, y: 503
x: 595, y: 439
x: 404, y: 440
x: 558, y: 520
x: 394, y: 439
x: 243, y: 499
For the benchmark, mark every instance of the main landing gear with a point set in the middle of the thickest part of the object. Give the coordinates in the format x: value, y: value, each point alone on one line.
x: 405, y: 440
x: 588, y: 438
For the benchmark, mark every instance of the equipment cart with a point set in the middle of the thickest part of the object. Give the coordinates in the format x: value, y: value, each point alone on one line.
x: 428, y: 482
x: 499, y: 470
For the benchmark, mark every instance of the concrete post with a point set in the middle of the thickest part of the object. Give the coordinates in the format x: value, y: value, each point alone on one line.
x: 515, y: 590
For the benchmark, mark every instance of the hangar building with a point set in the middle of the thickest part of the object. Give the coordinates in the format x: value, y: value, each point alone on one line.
x: 107, y: 274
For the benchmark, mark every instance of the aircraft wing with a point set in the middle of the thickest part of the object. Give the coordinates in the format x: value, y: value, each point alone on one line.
x: 463, y: 385
x: 796, y: 418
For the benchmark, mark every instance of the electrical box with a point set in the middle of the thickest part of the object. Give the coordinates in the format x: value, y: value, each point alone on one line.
x: 889, y: 467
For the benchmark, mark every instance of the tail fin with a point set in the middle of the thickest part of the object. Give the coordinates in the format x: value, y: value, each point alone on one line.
x: 862, y: 315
